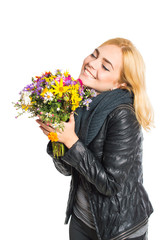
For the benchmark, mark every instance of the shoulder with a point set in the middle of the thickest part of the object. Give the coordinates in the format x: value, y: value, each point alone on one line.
x: 123, y: 129
x: 122, y: 110
x: 123, y: 120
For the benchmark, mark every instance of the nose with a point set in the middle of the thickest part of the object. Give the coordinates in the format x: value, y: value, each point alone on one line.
x: 94, y: 64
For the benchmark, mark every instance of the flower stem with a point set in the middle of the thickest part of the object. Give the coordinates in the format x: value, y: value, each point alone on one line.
x: 58, y: 149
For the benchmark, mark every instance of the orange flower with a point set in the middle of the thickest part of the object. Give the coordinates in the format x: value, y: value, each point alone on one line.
x: 53, y: 136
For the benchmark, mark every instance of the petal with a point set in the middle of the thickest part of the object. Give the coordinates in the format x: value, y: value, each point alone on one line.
x: 61, y: 83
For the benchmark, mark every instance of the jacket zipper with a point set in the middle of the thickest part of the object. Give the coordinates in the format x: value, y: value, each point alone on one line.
x: 94, y: 218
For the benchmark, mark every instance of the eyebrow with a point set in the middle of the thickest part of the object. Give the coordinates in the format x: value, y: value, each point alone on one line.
x: 106, y: 60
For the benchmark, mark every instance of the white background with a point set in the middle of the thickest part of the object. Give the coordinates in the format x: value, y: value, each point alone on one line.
x: 38, y: 36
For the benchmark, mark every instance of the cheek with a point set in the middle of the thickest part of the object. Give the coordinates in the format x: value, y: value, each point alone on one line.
x: 105, y: 77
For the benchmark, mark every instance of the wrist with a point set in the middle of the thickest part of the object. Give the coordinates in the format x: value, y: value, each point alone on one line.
x: 71, y: 141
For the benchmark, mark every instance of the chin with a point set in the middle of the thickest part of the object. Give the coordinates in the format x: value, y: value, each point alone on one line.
x: 87, y: 81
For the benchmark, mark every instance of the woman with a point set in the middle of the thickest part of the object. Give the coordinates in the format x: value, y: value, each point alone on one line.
x: 107, y: 200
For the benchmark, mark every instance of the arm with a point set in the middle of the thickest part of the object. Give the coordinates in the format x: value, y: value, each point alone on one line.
x: 123, y: 138
x: 68, y: 135
x: 60, y: 165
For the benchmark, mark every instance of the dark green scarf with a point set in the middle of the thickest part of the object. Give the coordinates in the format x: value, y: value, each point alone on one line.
x: 89, y: 122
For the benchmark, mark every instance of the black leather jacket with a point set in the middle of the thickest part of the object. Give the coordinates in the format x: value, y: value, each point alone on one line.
x: 111, y: 168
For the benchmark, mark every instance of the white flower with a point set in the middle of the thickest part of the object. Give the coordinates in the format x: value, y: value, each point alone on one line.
x: 48, y: 114
x: 25, y: 97
x: 58, y: 109
x: 53, y: 82
x: 48, y: 96
x: 55, y: 125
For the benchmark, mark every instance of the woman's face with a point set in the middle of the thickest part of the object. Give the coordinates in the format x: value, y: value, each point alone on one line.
x: 101, y: 69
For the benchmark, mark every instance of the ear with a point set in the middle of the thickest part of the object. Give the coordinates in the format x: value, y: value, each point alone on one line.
x: 119, y: 86
x: 122, y: 85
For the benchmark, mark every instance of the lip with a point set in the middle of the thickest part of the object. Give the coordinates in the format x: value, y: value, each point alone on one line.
x: 88, y: 71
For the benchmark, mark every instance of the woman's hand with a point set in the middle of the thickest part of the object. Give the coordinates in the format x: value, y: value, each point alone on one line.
x: 67, y: 136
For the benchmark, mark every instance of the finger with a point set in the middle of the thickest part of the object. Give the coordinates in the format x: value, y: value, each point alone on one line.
x: 45, y: 126
x: 44, y: 130
x: 71, y: 119
x: 39, y: 121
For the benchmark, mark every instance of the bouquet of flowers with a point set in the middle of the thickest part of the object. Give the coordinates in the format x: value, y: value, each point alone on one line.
x: 53, y: 97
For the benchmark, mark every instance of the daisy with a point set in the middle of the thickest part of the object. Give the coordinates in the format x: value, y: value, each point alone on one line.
x: 59, y: 88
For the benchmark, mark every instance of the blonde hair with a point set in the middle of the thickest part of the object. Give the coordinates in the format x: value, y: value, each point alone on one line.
x: 133, y: 75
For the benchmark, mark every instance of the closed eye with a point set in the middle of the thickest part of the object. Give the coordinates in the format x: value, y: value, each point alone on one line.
x: 92, y: 55
x: 105, y: 68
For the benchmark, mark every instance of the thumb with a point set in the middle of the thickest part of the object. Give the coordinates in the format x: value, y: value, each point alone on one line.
x: 71, y: 119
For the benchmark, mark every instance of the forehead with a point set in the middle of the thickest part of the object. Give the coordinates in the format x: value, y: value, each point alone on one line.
x: 112, y: 53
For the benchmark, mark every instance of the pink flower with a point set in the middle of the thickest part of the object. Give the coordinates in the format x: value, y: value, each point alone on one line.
x: 80, y: 81
x: 58, y: 79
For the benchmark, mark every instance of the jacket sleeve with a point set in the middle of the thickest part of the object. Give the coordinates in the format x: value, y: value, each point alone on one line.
x: 122, y: 141
x: 60, y: 165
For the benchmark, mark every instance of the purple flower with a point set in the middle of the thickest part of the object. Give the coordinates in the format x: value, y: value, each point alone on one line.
x: 81, y: 92
x: 68, y: 82
x: 28, y: 87
x: 93, y: 93
x: 40, y: 81
x: 86, y: 103
x: 74, y: 82
x: 38, y: 90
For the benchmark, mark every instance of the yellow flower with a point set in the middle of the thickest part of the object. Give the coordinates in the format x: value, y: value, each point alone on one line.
x: 49, y: 79
x: 46, y: 78
x: 75, y: 98
x: 74, y: 90
x: 44, y: 92
x: 66, y: 73
x: 72, y: 79
x: 53, y: 136
x: 75, y: 105
x: 24, y: 107
x: 59, y: 88
x: 75, y: 101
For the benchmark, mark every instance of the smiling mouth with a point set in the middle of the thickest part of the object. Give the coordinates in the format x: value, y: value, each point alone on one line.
x: 88, y: 73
